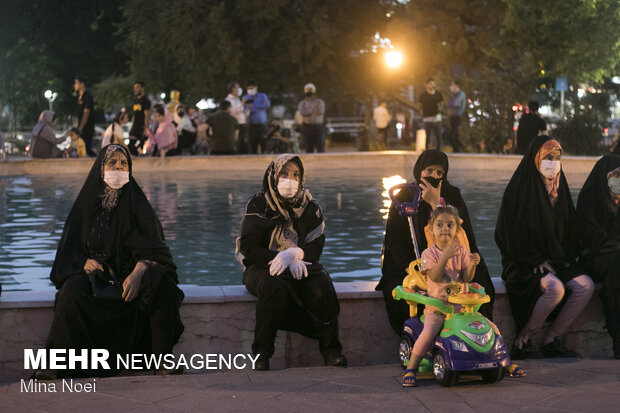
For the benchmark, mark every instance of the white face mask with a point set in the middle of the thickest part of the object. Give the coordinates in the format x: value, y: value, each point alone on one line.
x: 115, y: 179
x: 550, y: 169
x: 287, y: 188
x: 613, y: 184
x: 239, y: 92
x: 252, y: 92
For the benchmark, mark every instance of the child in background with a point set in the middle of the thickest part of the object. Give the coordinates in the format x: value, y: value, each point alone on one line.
x: 77, y: 147
x: 444, y: 262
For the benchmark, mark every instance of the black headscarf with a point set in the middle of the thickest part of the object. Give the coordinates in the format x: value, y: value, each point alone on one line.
x: 134, y: 231
x: 598, y: 225
x: 529, y: 229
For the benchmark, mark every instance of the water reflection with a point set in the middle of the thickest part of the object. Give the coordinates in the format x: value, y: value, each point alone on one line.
x: 389, y: 182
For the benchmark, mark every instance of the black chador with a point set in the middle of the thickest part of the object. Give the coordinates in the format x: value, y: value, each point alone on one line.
x: 118, y: 228
x: 599, y: 228
x: 532, y: 229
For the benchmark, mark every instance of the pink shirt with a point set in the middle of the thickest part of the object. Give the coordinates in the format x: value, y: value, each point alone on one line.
x: 454, y: 266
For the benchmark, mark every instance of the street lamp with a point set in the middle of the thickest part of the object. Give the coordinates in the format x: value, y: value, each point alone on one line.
x: 51, y: 97
x: 393, y: 58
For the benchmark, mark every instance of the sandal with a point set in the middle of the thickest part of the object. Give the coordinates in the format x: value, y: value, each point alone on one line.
x: 515, y: 371
x: 409, y: 378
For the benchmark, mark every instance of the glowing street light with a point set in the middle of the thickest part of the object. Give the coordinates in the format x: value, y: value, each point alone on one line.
x: 393, y: 58
x: 51, y: 97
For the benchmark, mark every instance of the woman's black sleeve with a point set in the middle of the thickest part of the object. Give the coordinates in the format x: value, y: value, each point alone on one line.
x: 315, y: 230
x: 254, y: 250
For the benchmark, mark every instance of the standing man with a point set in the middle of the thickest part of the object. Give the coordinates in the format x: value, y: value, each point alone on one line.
x: 85, y: 113
x: 456, y: 105
x: 430, y: 101
x: 139, y: 119
x: 257, y: 104
x: 224, y: 131
x: 382, y: 118
x: 530, y: 126
x: 312, y: 111
x: 237, y: 110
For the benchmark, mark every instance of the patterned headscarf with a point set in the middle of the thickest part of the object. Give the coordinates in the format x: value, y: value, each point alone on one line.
x: 550, y: 184
x: 109, y: 197
x: 277, y: 203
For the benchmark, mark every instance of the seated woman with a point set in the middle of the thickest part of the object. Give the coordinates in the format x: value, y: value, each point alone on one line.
x: 280, y: 244
x: 599, y: 227
x: 113, y: 232
x: 431, y: 173
x: 164, y: 139
x: 44, y: 139
x: 536, y: 233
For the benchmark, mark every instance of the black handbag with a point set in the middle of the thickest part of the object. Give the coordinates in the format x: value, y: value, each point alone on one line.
x: 105, y: 286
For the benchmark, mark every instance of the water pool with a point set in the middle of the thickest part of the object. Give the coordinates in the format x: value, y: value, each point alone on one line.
x: 201, y: 214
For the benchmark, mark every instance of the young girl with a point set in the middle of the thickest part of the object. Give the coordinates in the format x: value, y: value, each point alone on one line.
x: 446, y: 261
x: 77, y: 148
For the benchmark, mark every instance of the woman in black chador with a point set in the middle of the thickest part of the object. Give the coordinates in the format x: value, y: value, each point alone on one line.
x: 112, y: 231
x: 280, y: 244
x: 599, y: 227
x: 536, y: 233
x: 431, y: 173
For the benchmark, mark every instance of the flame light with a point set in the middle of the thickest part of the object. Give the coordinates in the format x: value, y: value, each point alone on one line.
x: 389, y: 182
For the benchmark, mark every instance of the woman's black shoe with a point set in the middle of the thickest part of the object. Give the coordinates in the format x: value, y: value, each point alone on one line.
x: 528, y: 351
x: 262, y: 364
x: 556, y: 349
x: 335, y: 359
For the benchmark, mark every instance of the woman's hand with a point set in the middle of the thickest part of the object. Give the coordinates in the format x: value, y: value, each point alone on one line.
x: 284, y: 259
x: 430, y: 194
x: 545, y: 268
x: 298, y: 269
x: 92, y: 265
x: 132, y: 283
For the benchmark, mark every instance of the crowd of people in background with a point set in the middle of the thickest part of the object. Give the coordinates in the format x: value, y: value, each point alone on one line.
x: 239, y: 125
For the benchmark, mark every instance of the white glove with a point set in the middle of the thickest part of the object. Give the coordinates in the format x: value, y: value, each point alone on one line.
x: 284, y: 259
x: 298, y: 269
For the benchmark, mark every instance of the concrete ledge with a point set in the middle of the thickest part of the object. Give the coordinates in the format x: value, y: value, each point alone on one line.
x: 395, y: 160
x: 221, y: 320
x: 193, y: 295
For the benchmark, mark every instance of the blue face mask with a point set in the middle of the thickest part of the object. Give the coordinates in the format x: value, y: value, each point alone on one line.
x: 613, y: 184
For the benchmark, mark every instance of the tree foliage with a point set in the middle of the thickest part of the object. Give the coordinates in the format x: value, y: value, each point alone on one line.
x: 45, y: 43
x: 496, y: 49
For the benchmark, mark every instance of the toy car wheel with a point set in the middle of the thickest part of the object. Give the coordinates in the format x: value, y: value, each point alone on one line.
x: 404, y: 350
x: 443, y: 375
x: 492, y: 375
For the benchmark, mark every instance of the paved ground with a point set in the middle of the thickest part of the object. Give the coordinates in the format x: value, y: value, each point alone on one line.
x: 551, y: 386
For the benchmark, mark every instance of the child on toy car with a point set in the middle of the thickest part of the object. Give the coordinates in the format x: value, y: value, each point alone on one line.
x: 443, y: 263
